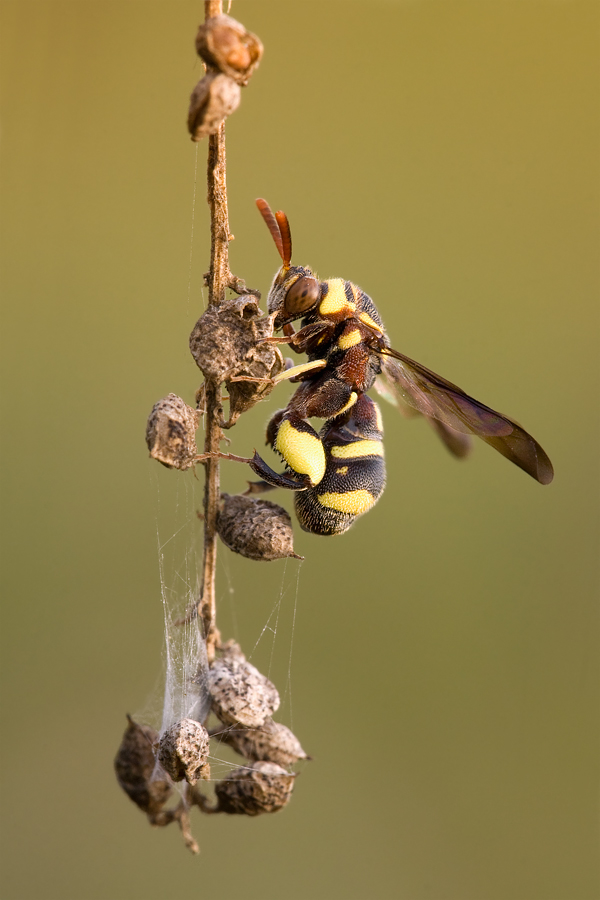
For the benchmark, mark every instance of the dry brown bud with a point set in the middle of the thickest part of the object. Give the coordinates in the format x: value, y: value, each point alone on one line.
x: 225, y: 44
x: 262, y: 788
x: 137, y: 771
x: 240, y: 694
x: 255, y: 528
x: 227, y: 343
x: 271, y: 742
x: 183, y: 751
x: 171, y: 432
x: 214, y: 98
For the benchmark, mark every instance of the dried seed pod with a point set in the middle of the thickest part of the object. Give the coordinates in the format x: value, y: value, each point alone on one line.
x: 214, y: 98
x: 271, y: 742
x: 262, y: 788
x: 226, y: 343
x: 240, y: 694
x: 183, y: 751
x: 262, y: 361
x: 171, y: 432
x: 255, y: 528
x: 137, y: 772
x: 224, y: 43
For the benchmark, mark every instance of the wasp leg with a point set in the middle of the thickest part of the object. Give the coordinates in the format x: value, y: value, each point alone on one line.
x: 295, y: 371
x: 307, y: 339
x: 324, y: 397
x: 289, y: 482
x: 258, y: 487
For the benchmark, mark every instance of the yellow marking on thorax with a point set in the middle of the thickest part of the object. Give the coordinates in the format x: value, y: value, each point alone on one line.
x: 378, y: 418
x: 350, y: 339
x: 351, y: 402
x: 356, y: 449
x: 343, y: 470
x: 303, y: 452
x: 335, y: 300
x: 366, y: 319
x: 352, y: 502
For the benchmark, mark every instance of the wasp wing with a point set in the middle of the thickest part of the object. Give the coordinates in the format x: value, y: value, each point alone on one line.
x: 458, y: 443
x: 447, y: 404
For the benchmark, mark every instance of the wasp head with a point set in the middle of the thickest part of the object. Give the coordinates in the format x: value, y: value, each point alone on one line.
x: 295, y: 289
x: 294, y: 292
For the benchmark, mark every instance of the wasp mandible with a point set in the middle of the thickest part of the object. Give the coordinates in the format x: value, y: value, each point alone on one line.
x: 339, y: 473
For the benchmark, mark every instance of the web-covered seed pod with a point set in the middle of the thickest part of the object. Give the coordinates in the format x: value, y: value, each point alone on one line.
x: 270, y: 742
x: 264, y: 787
x: 135, y: 765
x: 240, y: 694
x: 171, y: 433
x: 255, y: 528
x: 183, y: 751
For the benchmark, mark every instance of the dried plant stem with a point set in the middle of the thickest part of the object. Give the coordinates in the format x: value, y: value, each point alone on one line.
x: 218, y: 279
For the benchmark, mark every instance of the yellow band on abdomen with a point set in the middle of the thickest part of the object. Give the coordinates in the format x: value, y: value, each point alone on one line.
x: 352, y: 502
x: 357, y: 448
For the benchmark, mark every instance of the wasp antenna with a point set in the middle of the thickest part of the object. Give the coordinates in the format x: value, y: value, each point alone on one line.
x: 286, y: 237
x: 272, y: 224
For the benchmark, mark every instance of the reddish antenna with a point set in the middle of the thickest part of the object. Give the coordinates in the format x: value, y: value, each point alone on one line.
x: 286, y: 236
x: 279, y: 227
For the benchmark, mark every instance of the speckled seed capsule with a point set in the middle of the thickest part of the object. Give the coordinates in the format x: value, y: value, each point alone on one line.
x: 227, y: 341
x: 225, y: 44
x: 183, y: 751
x: 255, y: 528
x: 262, y: 788
x: 171, y: 432
x: 271, y: 742
x: 240, y: 694
x: 214, y: 98
x: 137, y: 773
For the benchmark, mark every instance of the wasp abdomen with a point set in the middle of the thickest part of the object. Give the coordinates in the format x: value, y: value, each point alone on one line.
x: 354, y: 476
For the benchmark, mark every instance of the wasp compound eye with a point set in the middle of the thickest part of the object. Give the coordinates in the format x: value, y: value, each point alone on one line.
x: 302, y: 295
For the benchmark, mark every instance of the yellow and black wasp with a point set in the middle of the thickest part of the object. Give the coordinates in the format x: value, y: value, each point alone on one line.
x: 339, y: 473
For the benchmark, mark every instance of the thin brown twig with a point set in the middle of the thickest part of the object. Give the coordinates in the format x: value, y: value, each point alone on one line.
x: 218, y: 278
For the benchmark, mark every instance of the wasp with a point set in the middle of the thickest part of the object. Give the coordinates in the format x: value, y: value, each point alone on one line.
x: 339, y: 472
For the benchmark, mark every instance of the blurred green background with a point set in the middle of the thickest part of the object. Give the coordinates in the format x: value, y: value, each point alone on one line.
x: 442, y: 155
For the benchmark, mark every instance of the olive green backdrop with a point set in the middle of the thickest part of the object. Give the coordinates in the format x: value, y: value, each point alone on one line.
x: 443, y: 665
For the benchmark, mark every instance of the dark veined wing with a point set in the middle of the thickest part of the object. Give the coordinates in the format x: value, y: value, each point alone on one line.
x: 458, y: 443
x: 440, y: 400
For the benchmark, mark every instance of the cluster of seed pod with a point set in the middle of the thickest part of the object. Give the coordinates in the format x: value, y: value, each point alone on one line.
x: 228, y: 345
x: 231, y: 54
x: 243, y: 700
x: 231, y: 345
